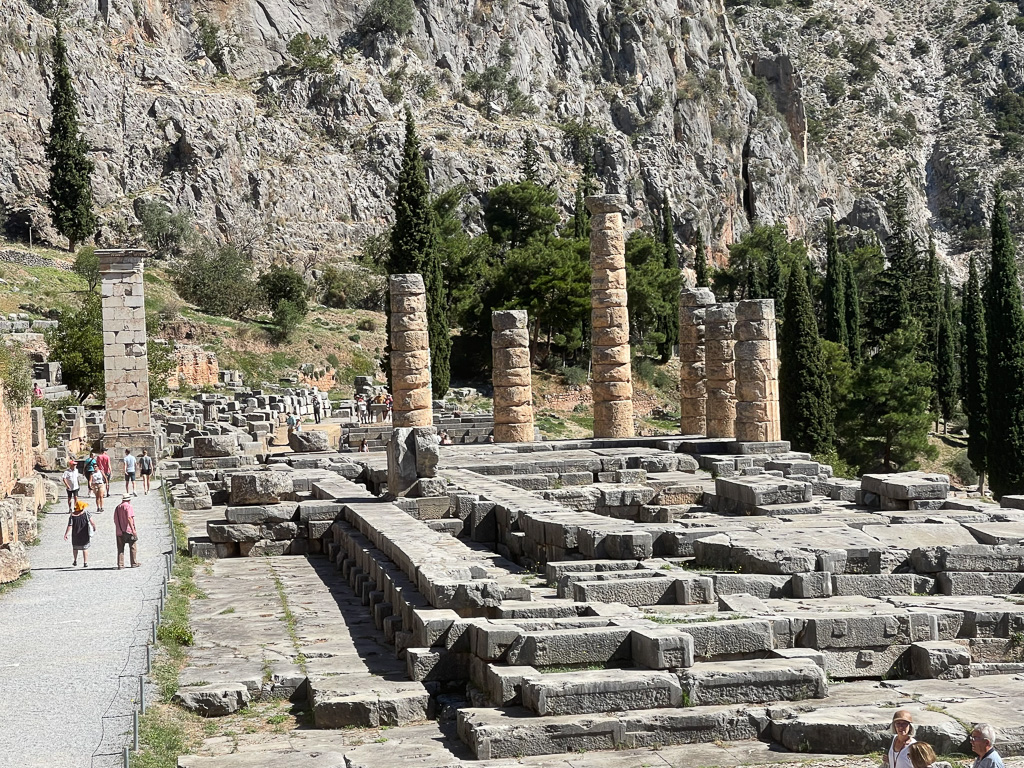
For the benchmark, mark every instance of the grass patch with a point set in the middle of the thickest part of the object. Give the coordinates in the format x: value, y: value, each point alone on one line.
x: 562, y: 668
x: 289, y: 619
x: 663, y: 618
x: 10, y: 586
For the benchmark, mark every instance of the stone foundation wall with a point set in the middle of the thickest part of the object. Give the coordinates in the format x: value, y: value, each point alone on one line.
x: 195, y: 367
x: 15, y: 454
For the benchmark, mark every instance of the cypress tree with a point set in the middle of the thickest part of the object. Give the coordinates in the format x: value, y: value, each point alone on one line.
x: 668, y: 232
x: 835, y: 298
x: 70, y: 192
x: 700, y: 261
x: 414, y: 249
x: 808, y: 416
x: 581, y: 218
x: 530, y: 165
x: 1005, y: 317
x: 773, y: 277
x: 851, y: 302
x: 946, y: 374
x: 891, y: 305
x: 975, y: 380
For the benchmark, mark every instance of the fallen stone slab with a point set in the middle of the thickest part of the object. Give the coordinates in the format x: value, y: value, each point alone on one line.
x: 214, y: 700
x: 997, y: 533
x: 940, y: 660
x: 960, y: 583
x: 906, y: 486
x: 972, y: 557
x: 260, y: 514
x: 562, y: 647
x: 269, y: 487
x: 757, y: 681
x: 309, y: 441
x: 214, y: 446
x: 731, y: 639
x: 608, y: 690
x: 661, y: 648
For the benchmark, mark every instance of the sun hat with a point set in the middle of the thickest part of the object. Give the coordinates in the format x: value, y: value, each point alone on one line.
x: 906, y: 716
x: 126, y: 497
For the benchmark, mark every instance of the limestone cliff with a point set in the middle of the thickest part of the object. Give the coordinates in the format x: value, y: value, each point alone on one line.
x: 201, y: 105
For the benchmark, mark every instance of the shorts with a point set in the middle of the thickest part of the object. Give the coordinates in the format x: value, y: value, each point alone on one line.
x: 144, y: 472
x: 72, y: 494
x: 129, y: 476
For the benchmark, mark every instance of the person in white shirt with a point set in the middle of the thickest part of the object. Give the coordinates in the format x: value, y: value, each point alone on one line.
x: 129, y: 472
x: 898, y: 754
x: 70, y: 480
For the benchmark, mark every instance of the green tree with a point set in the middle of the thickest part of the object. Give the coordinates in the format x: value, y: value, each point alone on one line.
x: 700, y: 261
x: 414, y: 249
x: 517, y: 212
x: 891, y: 308
x: 581, y: 216
x: 975, y: 381
x: 668, y: 231
x: 947, y: 370
x: 70, y: 192
x: 87, y: 266
x: 775, y: 286
x: 1005, y: 329
x: 529, y: 166
x: 218, y: 280
x: 160, y: 357
x: 808, y: 416
x: 77, y: 344
x: 653, y: 297
x: 284, y: 284
x: 888, y: 410
x: 835, y: 294
x: 394, y: 16
x: 851, y: 303
x: 167, y: 233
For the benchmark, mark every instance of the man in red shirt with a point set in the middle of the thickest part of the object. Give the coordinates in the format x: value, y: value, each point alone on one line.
x: 103, y: 462
x: 124, y: 525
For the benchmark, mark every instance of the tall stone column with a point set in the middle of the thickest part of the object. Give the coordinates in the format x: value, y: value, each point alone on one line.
x: 757, y: 372
x: 510, y: 371
x: 611, y: 371
x: 410, y: 352
x: 125, y: 358
x: 720, y: 368
x: 693, y: 391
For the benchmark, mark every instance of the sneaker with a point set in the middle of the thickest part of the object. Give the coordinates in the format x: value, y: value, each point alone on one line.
x: 136, y: 565
x: 74, y: 563
x: 85, y: 565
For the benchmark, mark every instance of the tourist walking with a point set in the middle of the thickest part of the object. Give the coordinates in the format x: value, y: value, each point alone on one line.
x: 78, y: 527
x: 98, y: 483
x: 103, y: 462
x: 316, y: 409
x: 129, y: 471
x: 145, y: 469
x: 124, y: 526
x: 903, y: 730
x: 70, y: 480
x: 364, y: 414
x: 89, y: 464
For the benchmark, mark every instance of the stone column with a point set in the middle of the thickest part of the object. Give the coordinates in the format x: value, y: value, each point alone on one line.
x: 611, y: 372
x: 410, y: 352
x: 720, y: 368
x: 510, y: 371
x: 693, y: 391
x: 125, y: 358
x: 757, y: 372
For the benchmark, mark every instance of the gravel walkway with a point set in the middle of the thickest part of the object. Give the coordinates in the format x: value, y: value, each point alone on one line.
x: 73, y: 642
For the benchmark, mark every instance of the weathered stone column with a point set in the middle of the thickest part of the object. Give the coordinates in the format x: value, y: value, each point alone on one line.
x: 510, y: 372
x: 757, y: 372
x: 720, y: 369
x: 611, y: 372
x: 410, y: 352
x: 693, y: 391
x: 125, y: 358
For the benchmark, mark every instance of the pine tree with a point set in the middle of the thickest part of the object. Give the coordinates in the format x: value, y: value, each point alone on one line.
x: 1005, y: 317
x: 834, y: 294
x: 946, y: 374
x: 975, y: 380
x: 808, y: 416
x: 668, y: 232
x: 414, y: 250
x: 70, y: 192
x: 700, y: 261
x: 530, y: 164
x: 851, y: 302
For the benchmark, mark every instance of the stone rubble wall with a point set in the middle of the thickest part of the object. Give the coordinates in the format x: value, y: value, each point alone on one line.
x: 513, y: 382
x: 15, y: 460
x: 410, y: 352
x: 612, y: 372
x: 194, y: 367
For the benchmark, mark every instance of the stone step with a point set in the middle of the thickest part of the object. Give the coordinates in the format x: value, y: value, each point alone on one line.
x: 757, y: 681
x: 605, y: 690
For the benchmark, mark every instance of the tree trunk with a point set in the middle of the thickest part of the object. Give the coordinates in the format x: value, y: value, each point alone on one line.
x: 981, y: 482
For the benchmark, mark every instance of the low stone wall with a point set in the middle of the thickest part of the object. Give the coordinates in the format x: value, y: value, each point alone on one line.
x: 15, y: 461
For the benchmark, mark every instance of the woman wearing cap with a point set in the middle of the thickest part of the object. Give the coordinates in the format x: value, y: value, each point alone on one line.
x: 898, y: 755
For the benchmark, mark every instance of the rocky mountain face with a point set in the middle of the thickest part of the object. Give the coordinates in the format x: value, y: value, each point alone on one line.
x: 742, y: 114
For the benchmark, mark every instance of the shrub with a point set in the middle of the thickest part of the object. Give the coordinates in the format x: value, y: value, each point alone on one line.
x: 960, y: 466
x: 574, y: 377
x: 387, y: 16
x: 990, y: 13
x: 287, y: 317
x: 311, y: 53
x: 835, y: 88
x: 332, y: 360
x: 15, y: 375
x: 208, y: 37
x: 166, y: 232
x: 284, y: 284
x: 351, y: 287
x: 921, y: 47
x: 861, y: 54
x: 495, y: 84
x: 367, y: 324
x: 87, y: 266
x: 218, y: 280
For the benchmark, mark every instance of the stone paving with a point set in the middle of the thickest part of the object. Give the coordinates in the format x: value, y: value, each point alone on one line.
x: 73, y: 642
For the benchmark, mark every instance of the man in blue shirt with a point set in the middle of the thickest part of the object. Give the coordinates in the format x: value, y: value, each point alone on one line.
x: 983, y: 744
